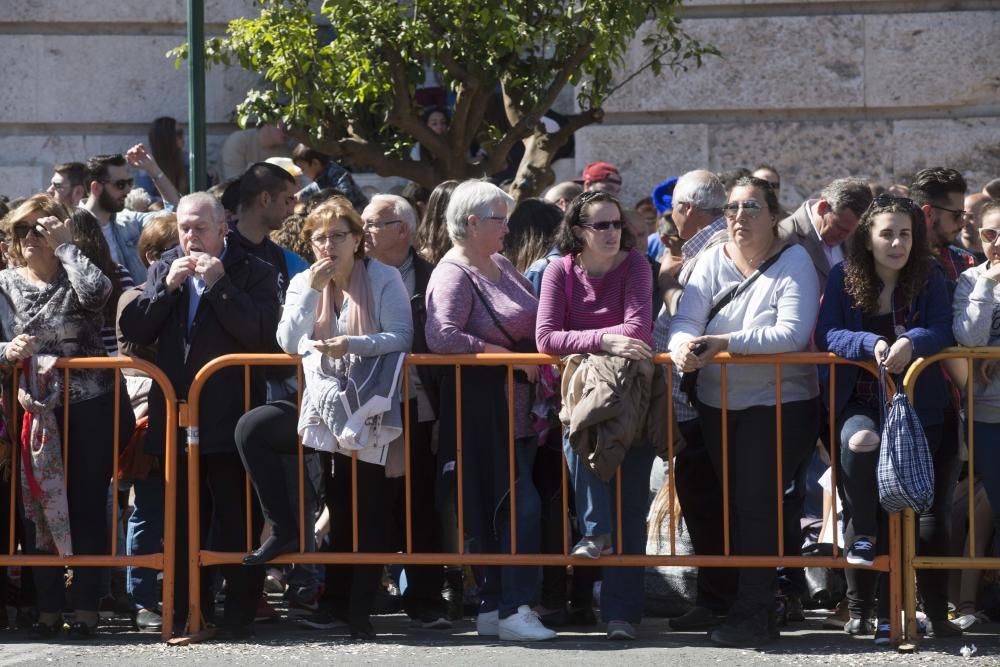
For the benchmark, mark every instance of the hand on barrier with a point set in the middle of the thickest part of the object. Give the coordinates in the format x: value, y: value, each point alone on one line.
x: 623, y: 346
x: 22, y: 347
x: 896, y: 357
x: 699, y: 351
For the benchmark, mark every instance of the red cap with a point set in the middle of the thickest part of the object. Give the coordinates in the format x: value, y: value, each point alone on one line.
x: 595, y: 172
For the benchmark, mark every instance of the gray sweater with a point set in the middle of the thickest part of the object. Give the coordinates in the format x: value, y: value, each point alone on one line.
x: 976, y: 323
x: 392, y: 315
x: 776, y: 314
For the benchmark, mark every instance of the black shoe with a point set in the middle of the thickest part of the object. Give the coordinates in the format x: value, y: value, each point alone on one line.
x: 146, y: 619
x: 695, y: 618
x: 862, y: 552
x: 80, y: 630
x: 746, y: 626
x: 858, y: 626
x: 41, y: 630
x: 362, y: 630
x: 943, y: 628
x: 581, y: 616
x: 271, y: 549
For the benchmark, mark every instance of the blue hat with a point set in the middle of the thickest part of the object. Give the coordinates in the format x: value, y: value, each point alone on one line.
x: 663, y: 198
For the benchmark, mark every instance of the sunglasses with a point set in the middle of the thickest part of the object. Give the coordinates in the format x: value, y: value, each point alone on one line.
x: 957, y: 212
x: 750, y: 207
x: 122, y: 183
x: 888, y: 201
x: 989, y: 235
x: 604, y: 226
x: 22, y: 231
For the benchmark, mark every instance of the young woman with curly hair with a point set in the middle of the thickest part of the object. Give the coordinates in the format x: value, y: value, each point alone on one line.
x: 887, y: 301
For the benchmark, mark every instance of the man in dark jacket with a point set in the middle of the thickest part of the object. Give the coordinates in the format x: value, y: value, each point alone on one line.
x: 390, y: 223
x: 204, y: 299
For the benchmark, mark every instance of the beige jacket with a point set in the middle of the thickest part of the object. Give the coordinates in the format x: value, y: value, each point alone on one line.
x: 609, y: 404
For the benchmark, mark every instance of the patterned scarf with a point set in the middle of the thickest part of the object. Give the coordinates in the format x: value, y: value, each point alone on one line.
x: 43, y: 486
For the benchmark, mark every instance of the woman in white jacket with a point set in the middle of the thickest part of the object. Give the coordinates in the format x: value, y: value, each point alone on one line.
x: 346, y: 304
x: 976, y: 323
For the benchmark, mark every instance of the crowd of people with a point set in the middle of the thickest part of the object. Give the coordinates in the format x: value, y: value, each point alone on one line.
x: 709, y: 263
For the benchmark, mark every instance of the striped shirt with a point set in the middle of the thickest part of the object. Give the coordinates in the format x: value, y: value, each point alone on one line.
x: 615, y: 303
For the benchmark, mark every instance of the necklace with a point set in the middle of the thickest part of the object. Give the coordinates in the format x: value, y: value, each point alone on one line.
x: 756, y: 259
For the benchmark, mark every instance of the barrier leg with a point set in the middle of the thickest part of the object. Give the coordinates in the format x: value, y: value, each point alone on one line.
x: 896, y: 572
x: 909, y: 543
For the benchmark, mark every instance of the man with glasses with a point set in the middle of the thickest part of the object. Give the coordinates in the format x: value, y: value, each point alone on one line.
x: 940, y: 193
x: 390, y: 224
x: 822, y: 225
x: 107, y: 188
x: 69, y: 184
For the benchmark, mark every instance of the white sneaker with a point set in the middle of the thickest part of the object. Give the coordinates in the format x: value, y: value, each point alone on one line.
x: 524, y: 626
x: 488, y: 623
x: 593, y: 547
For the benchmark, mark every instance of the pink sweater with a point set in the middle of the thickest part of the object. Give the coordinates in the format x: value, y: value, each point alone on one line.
x: 616, y: 303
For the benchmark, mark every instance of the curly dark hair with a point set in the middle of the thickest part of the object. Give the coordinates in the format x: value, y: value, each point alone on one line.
x: 576, y: 215
x: 860, y: 279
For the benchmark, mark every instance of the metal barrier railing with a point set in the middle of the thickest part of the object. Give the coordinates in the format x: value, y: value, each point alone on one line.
x: 911, y: 561
x: 190, y: 417
x: 163, y: 560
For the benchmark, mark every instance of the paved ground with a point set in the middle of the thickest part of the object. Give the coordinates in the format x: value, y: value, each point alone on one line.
x: 286, y: 643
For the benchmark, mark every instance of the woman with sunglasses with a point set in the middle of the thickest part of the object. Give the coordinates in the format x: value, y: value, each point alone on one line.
x: 344, y: 304
x: 596, y: 299
x: 751, y: 295
x: 53, y: 302
x: 886, y: 301
x: 976, y: 323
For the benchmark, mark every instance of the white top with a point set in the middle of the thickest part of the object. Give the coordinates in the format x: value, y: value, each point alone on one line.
x: 776, y: 314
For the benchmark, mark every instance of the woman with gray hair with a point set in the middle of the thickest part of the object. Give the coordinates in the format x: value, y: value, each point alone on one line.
x: 478, y: 302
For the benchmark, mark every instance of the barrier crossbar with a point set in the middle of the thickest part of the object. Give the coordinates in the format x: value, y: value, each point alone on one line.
x: 164, y: 560
x: 198, y: 557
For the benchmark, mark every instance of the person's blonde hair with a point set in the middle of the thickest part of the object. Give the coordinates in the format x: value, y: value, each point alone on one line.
x: 40, y: 203
x: 158, y: 236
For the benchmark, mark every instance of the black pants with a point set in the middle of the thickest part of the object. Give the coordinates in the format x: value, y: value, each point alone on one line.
x: 264, y: 436
x: 752, y: 441
x: 223, y: 528
x: 88, y: 478
x: 700, y: 493
x: 423, y: 582
x: 351, y: 589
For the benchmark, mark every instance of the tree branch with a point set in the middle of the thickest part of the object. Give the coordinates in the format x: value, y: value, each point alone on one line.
x: 358, y: 153
x: 402, y: 114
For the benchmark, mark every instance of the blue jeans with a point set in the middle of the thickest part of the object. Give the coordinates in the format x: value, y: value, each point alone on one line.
x: 145, y: 536
x: 506, y: 588
x: 986, y: 449
x: 622, y: 592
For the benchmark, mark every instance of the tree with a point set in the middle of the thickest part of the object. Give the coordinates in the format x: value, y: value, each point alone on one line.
x: 343, y: 80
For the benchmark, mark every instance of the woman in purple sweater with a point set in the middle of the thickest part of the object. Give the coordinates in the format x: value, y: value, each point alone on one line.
x: 607, y: 286
x: 478, y: 302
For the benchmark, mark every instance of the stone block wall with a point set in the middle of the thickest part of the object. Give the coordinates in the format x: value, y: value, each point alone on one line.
x: 819, y: 88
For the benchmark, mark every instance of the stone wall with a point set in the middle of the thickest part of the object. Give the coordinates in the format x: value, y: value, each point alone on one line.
x: 819, y: 88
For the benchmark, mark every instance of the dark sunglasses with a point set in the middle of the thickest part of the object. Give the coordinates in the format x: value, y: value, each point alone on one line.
x: 22, y: 231
x: 604, y: 226
x: 886, y: 201
x: 122, y: 183
x: 989, y: 235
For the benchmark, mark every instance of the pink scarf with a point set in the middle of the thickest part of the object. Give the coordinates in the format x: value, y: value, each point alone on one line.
x: 359, y: 318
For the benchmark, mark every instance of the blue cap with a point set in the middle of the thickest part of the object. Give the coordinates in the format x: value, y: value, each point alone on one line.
x: 663, y: 198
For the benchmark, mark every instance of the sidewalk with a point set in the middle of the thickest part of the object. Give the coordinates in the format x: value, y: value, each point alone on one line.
x: 286, y: 643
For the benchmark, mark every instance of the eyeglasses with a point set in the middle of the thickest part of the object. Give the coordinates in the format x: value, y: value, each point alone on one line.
x: 122, y: 183
x: 59, y: 187
x: 22, y: 231
x: 958, y: 213
x: 989, y: 235
x: 379, y: 226
x: 750, y: 207
x: 336, y: 238
x: 604, y: 226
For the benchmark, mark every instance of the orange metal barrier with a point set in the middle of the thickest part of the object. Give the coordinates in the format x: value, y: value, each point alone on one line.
x: 190, y: 417
x: 911, y: 561
x: 161, y: 561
